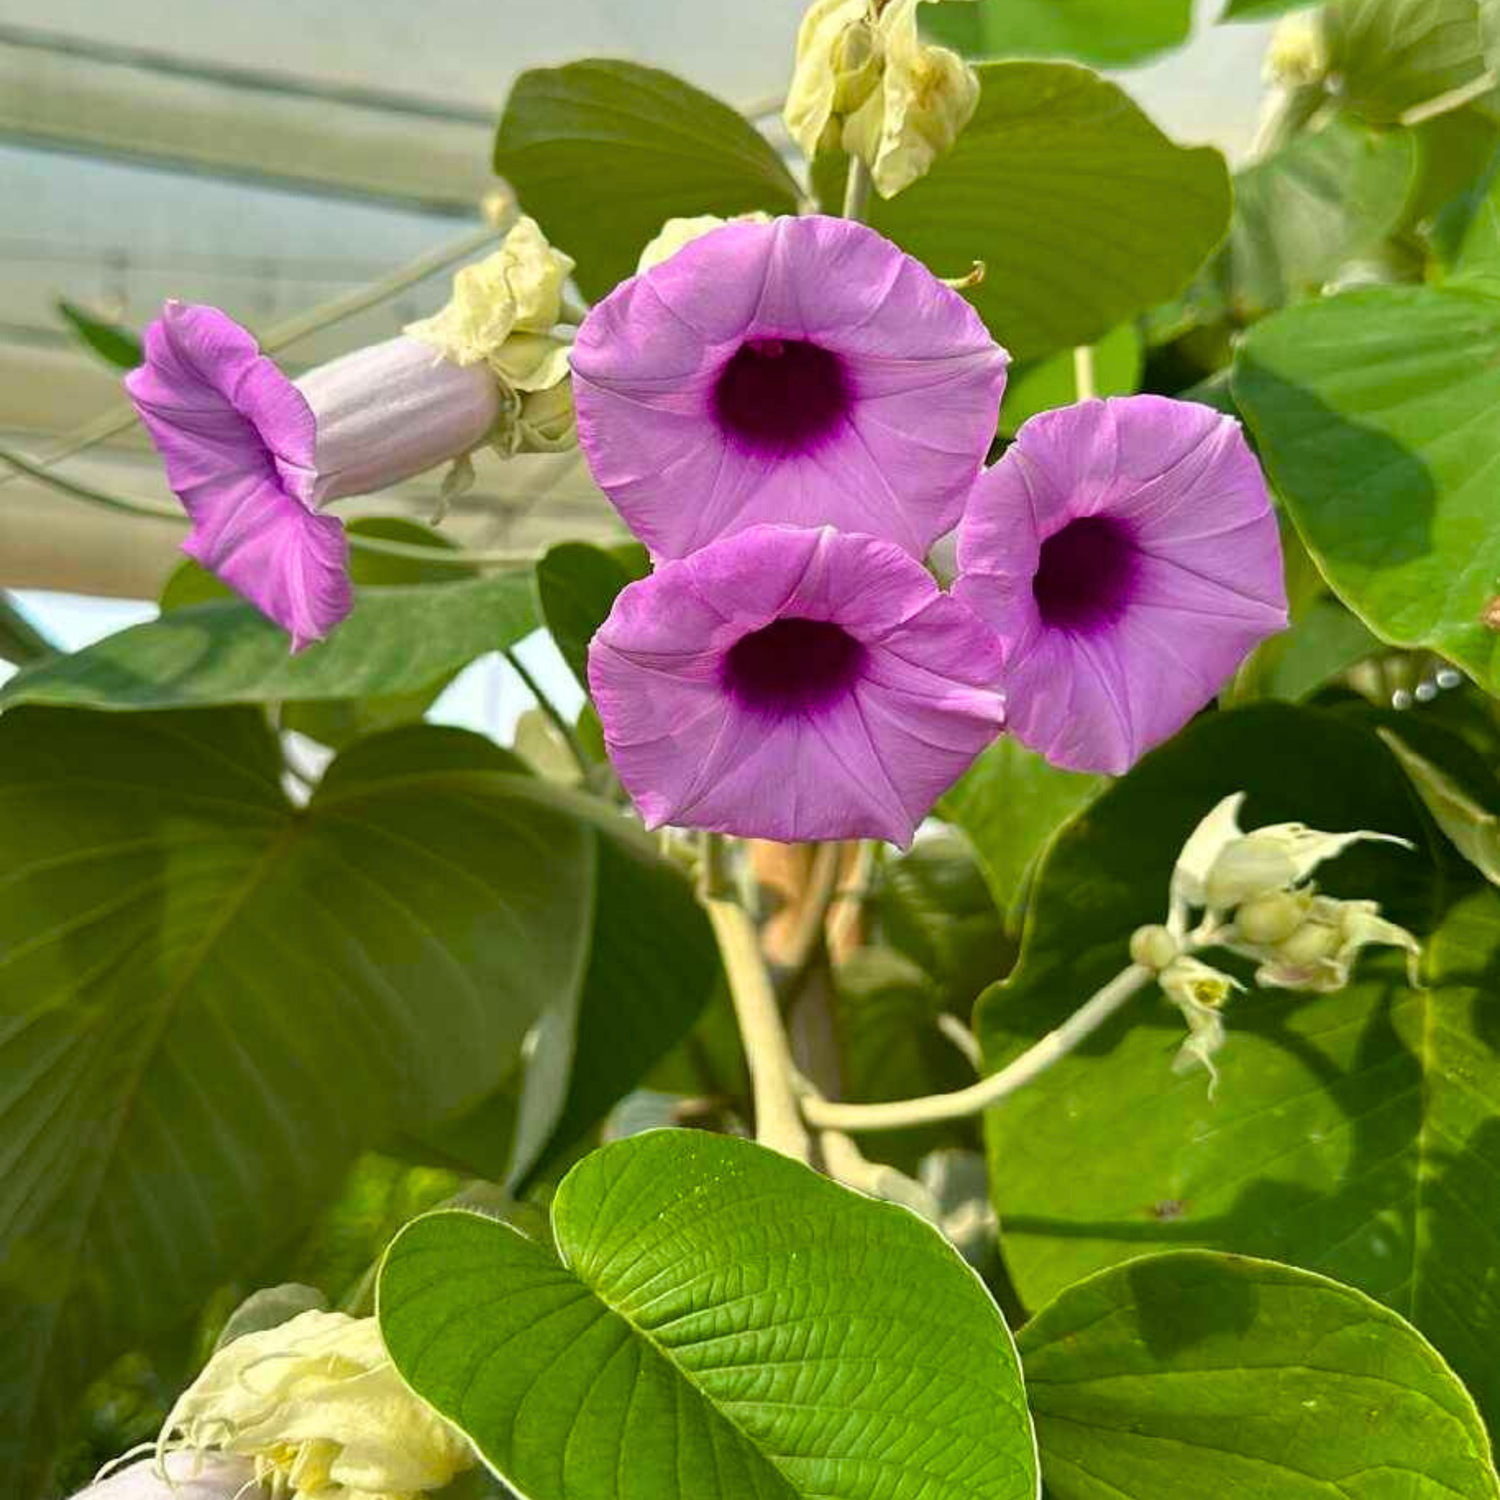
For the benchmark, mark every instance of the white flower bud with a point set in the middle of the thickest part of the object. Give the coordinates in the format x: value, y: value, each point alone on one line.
x: 317, y: 1407
x: 181, y: 1476
x: 676, y: 233
x: 1152, y: 947
x: 1272, y: 917
x: 1298, y: 53
x: 1248, y: 867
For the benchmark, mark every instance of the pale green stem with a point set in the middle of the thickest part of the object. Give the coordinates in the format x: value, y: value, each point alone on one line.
x: 768, y: 1054
x: 548, y: 707
x: 121, y: 418
x: 1083, y: 372
x: 129, y: 505
x: 857, y: 190
x: 826, y: 1114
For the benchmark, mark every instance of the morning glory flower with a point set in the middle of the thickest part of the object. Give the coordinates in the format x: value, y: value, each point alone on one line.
x: 1126, y: 554
x: 803, y: 372
x: 792, y: 683
x: 253, y: 456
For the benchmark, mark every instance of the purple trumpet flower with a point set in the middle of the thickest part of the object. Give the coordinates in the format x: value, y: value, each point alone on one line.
x: 802, y: 372
x: 253, y: 456
x: 790, y: 683
x: 1126, y: 554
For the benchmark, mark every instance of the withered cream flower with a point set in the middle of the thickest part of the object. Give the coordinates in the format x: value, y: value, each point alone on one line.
x: 317, y: 1407
x: 1199, y: 992
x: 676, y: 233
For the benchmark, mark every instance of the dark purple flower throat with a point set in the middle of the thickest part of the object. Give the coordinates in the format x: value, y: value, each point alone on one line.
x: 1084, y: 576
x: 781, y: 396
x: 792, y: 666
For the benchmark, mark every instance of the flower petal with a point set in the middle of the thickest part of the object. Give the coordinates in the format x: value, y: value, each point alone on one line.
x: 189, y: 1476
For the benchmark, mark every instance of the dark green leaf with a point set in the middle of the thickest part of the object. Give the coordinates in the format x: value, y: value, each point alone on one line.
x: 1009, y: 803
x: 1109, y: 32
x: 601, y: 153
x: 1353, y: 1133
x: 1260, y: 10
x: 213, y: 1000
x: 1472, y: 829
x: 716, y: 1315
x: 1053, y: 154
x: 1320, y: 645
x: 398, y: 640
x: 115, y: 345
x: 1188, y: 1375
x: 1372, y: 414
x: 576, y: 584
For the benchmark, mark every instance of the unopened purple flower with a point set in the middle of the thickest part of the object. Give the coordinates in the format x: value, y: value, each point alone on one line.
x: 803, y: 372
x: 1126, y: 554
x: 792, y: 683
x: 252, y: 456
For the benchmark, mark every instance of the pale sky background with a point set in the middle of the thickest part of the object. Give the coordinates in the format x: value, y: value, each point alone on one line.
x: 121, y: 235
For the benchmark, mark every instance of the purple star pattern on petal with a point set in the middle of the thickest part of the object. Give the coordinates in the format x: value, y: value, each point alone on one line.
x: 802, y: 372
x: 792, y: 683
x: 1126, y: 554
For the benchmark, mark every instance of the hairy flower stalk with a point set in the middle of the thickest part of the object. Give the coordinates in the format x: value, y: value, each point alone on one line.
x: 318, y: 1410
x: 254, y: 456
x: 1126, y: 554
x: 802, y: 372
x: 790, y: 683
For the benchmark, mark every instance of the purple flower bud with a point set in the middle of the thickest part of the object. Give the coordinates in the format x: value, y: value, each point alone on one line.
x: 188, y: 1476
x: 252, y: 456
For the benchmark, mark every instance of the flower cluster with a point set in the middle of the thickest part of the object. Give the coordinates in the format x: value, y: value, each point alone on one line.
x: 254, y: 457
x: 789, y: 414
x: 1255, y: 899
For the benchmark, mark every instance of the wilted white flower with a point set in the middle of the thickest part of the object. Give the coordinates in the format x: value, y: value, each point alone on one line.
x: 317, y: 1408
x: 1153, y: 947
x: 865, y: 79
x: 1319, y: 952
x: 676, y: 233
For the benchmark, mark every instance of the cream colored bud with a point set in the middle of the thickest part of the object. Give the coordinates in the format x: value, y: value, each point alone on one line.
x: 1310, y: 943
x: 676, y: 233
x: 1152, y: 947
x: 1298, y: 52
x: 856, y: 63
x: 516, y: 290
x: 811, y: 101
x: 1246, y: 868
x: 547, y: 422
x: 927, y: 95
x: 317, y: 1407
x: 1272, y: 917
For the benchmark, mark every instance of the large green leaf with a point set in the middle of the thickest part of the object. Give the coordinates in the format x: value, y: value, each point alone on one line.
x: 1302, y: 213
x: 212, y: 1000
x: 1009, y: 803
x: 1110, y: 32
x: 1084, y: 213
x: 1373, y: 413
x: 576, y: 584
x: 1189, y: 1375
x: 397, y: 640
x: 1353, y: 1133
x: 715, y: 1321
x: 602, y: 152
x: 1390, y: 55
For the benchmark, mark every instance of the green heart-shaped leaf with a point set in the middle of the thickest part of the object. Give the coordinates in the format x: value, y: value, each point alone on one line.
x: 716, y: 1322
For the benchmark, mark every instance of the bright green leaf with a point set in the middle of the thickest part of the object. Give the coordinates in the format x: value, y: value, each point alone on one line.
x: 1084, y: 213
x: 398, y: 640
x: 1473, y: 830
x: 601, y: 153
x: 1390, y: 55
x: 1320, y: 645
x: 1108, y: 32
x: 1353, y: 1133
x: 117, y: 346
x: 710, y: 1320
x: 1190, y: 1375
x: 1009, y: 803
x: 1053, y: 382
x: 576, y: 584
x: 1372, y: 412
x: 213, y: 1000
x: 20, y: 641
